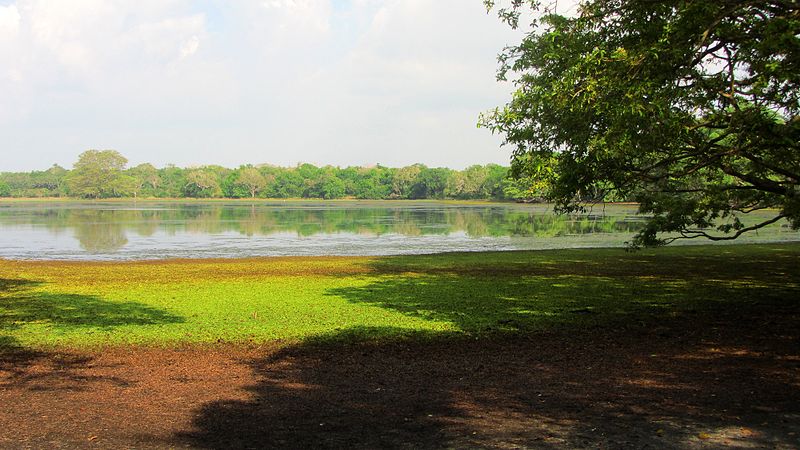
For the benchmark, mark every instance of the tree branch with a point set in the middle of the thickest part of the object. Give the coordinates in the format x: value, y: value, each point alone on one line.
x: 692, y: 234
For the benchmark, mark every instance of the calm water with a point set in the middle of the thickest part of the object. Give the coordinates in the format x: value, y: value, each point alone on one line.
x: 119, y: 231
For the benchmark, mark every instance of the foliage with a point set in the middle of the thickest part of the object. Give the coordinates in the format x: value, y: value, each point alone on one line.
x: 201, y: 183
x: 404, y: 179
x: 689, y: 108
x: 48, y: 183
x: 98, y: 174
x: 173, y: 180
x: 145, y: 178
x: 259, y: 300
x: 252, y: 180
x: 304, y: 181
x: 430, y: 183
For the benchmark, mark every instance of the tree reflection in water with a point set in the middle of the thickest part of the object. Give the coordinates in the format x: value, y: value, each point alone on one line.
x: 98, y: 231
x: 104, y: 228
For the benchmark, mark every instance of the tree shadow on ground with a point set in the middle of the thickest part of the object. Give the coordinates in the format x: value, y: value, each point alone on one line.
x: 701, y: 263
x: 537, y: 390
x: 543, y: 361
x: 23, y: 304
x: 478, y: 296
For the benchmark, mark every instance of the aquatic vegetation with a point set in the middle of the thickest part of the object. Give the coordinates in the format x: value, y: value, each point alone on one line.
x: 175, y: 302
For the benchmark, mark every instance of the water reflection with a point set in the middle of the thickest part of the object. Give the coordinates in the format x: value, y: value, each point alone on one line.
x: 302, y: 228
x: 103, y: 229
x: 98, y: 231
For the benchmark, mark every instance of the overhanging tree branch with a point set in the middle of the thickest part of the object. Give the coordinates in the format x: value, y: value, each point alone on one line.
x: 692, y: 234
x: 695, y: 99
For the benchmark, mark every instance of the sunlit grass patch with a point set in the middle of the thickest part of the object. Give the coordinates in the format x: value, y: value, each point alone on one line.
x: 46, y: 304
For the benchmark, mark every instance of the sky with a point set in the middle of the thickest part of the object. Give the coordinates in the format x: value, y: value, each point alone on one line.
x: 196, y: 82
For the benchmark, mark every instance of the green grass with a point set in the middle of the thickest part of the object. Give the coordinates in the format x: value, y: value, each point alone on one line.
x: 84, y: 305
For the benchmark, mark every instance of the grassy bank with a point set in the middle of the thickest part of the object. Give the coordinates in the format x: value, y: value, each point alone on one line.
x: 80, y: 304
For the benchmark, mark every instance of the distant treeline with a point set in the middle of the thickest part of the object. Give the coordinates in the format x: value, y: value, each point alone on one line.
x: 103, y: 174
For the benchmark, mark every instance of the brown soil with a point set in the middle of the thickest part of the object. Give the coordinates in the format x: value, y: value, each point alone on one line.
x: 704, y: 381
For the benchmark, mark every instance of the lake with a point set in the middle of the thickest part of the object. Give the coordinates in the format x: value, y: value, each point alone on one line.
x: 158, y: 230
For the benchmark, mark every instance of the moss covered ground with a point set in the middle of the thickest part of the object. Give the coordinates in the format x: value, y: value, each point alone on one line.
x: 252, y: 301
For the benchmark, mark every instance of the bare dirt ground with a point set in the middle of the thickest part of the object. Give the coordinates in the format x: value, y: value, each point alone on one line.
x: 698, y: 381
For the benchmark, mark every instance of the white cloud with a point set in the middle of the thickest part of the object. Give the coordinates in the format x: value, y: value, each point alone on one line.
x: 71, y: 55
x: 166, y: 40
x: 306, y: 14
x: 409, y: 90
x: 279, y: 81
x: 189, y: 47
x: 9, y: 22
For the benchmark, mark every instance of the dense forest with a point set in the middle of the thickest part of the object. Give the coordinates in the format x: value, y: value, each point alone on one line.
x: 104, y: 174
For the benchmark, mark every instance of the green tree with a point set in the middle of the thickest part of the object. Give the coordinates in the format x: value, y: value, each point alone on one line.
x: 5, y: 189
x: 201, y: 183
x: 373, y: 182
x: 124, y: 186
x: 430, y: 183
x: 252, y: 180
x: 496, y: 181
x: 51, y: 180
x: 173, y: 181
x: 97, y: 173
x: 469, y: 183
x: 404, y: 179
x: 689, y: 108
x: 288, y: 183
x: 270, y: 174
x: 146, y: 179
x: 331, y: 186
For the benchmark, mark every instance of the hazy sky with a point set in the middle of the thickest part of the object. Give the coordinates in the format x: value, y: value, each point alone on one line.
x: 342, y: 82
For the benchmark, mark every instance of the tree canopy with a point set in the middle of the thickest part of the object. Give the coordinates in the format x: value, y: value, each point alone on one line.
x: 102, y: 174
x: 98, y: 173
x: 689, y: 108
x: 252, y: 180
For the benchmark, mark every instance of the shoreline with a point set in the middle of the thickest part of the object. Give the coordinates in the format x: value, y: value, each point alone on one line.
x: 650, y: 251
x: 251, y: 200
x: 299, y: 258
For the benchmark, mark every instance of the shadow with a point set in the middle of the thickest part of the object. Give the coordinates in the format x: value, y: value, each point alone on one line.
x: 314, y: 396
x: 13, y: 357
x: 561, y: 352
x: 701, y: 263
x: 21, y: 305
x: 24, y: 306
x: 542, y: 390
x: 539, y: 290
x: 8, y: 285
x: 72, y: 311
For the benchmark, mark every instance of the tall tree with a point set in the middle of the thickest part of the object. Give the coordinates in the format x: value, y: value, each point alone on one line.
x: 689, y: 108
x: 173, y: 181
x: 430, y: 183
x: 404, y: 179
x: 145, y: 177
x: 201, y: 183
x: 52, y: 180
x: 97, y: 173
x: 252, y: 180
